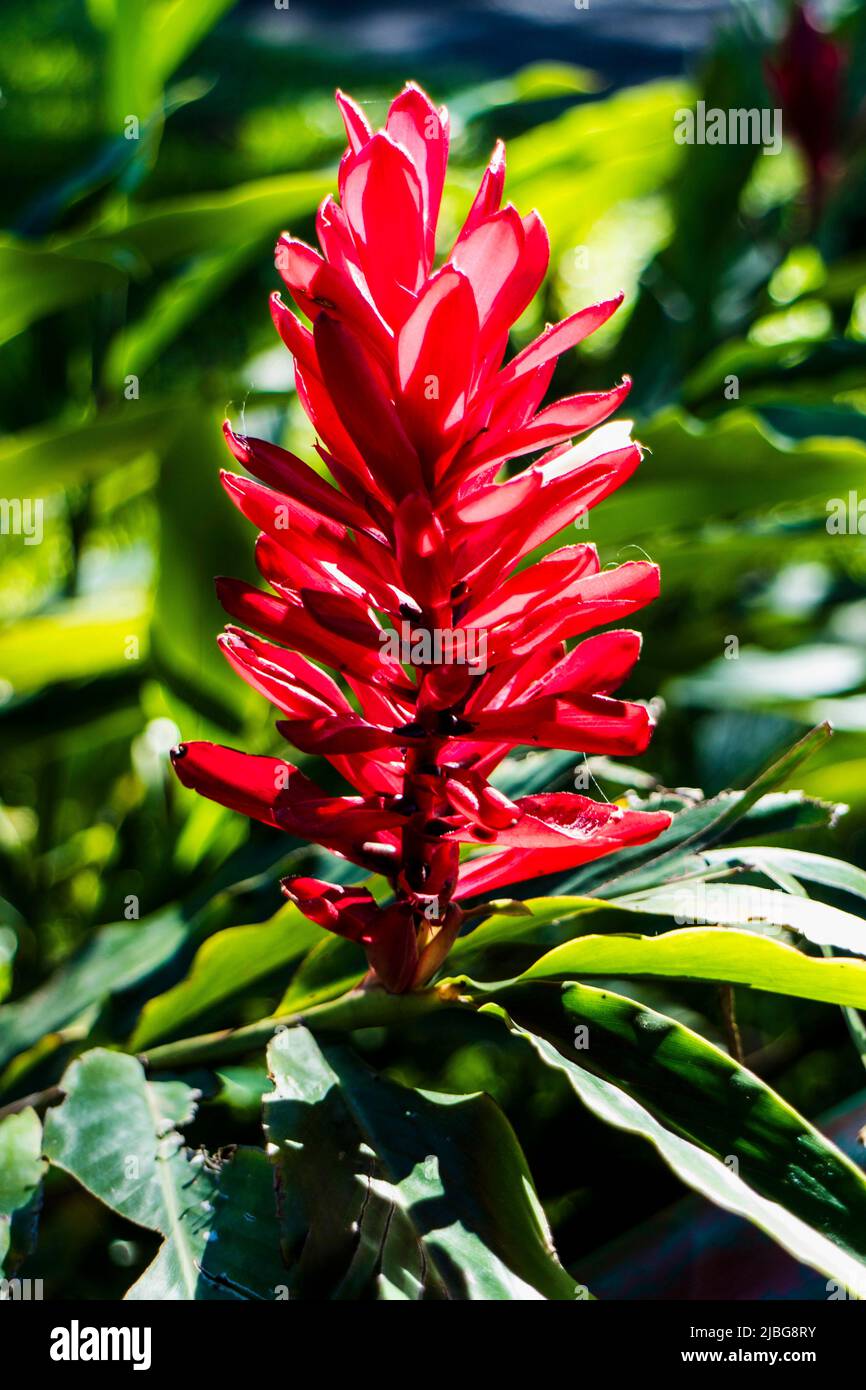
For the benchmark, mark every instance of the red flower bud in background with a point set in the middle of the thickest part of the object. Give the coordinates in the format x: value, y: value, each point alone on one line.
x: 807, y: 75
x: 404, y: 575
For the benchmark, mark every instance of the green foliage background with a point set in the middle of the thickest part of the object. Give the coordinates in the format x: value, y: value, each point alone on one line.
x: 134, y: 274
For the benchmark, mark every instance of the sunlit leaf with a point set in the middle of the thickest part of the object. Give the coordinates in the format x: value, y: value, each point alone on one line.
x: 702, y: 953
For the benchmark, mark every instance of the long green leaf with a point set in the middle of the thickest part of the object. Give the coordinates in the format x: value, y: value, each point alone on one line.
x: 746, y: 467
x: 75, y: 640
x: 507, y: 942
x: 202, y: 224
x: 721, y: 954
x: 35, y: 280
x: 58, y: 454
x: 739, y: 905
x: 115, y: 958
x: 722, y: 1130
x: 224, y: 966
x: 814, y: 868
x: 691, y: 830
x: 178, y: 26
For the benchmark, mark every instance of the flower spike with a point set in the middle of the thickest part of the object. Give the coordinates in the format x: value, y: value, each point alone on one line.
x: 407, y: 572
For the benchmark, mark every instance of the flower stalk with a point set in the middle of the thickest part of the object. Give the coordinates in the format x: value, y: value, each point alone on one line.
x: 360, y: 1008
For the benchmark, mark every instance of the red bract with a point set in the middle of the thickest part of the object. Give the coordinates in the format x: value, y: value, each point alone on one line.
x: 404, y: 575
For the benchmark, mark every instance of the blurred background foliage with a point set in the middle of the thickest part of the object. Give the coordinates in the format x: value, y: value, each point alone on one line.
x: 152, y: 150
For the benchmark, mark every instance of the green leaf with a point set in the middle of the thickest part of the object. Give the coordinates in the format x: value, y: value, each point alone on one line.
x: 333, y: 966
x: 177, y: 27
x: 183, y: 299
x: 505, y: 942
x: 398, y: 1193
x: 34, y: 280
x: 241, y: 1258
x: 115, y: 958
x: 758, y: 465
x: 759, y: 678
x: 116, y: 1134
x: 746, y: 469
x: 697, y: 953
x: 204, y: 223
x: 147, y: 41
x: 8, y: 948
x: 224, y: 966
x: 595, y: 155
x: 739, y: 905
x: 800, y: 864
x: 77, y: 639
x: 536, y: 82
x: 720, y: 1128
x: 57, y: 454
x: 132, y: 88
x: 21, y: 1170
x: 692, y: 829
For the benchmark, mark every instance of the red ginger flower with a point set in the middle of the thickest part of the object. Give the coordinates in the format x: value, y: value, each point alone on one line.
x: 417, y: 542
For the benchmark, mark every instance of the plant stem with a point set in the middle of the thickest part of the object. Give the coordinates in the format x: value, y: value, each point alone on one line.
x: 37, y: 1100
x: 729, y: 1016
x: 371, y: 1008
